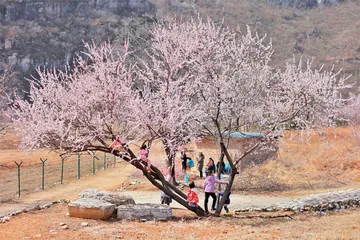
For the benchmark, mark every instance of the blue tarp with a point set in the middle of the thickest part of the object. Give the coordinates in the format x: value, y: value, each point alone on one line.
x: 242, y: 134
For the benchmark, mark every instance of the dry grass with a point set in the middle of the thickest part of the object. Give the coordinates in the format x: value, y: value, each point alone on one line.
x: 327, y: 161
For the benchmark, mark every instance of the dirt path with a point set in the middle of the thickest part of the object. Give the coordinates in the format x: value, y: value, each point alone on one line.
x: 237, y: 200
x: 110, y: 180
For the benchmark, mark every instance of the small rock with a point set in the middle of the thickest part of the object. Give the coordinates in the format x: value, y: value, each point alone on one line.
x: 52, y: 231
x: 143, y: 220
x: 65, y: 227
x: 25, y: 238
x: 67, y: 214
x: 31, y: 208
x: 62, y: 224
x: 38, y: 236
x: 117, y: 237
x: 84, y: 224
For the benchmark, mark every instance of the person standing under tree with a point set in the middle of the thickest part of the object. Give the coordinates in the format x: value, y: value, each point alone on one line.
x: 227, y: 202
x: 200, y: 162
x: 210, y: 166
x: 165, y: 199
x: 209, y: 188
x: 184, y: 159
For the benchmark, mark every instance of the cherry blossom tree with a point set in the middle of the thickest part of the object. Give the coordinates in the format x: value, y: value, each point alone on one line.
x: 235, y: 87
x: 80, y: 110
x: 197, y: 77
x: 352, y: 114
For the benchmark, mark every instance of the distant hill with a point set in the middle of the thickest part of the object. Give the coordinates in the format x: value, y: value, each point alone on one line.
x: 48, y: 33
x: 326, y: 30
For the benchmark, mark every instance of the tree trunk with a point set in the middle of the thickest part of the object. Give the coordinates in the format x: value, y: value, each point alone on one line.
x: 233, y: 172
x: 158, y: 180
x: 221, y: 160
x: 170, y: 160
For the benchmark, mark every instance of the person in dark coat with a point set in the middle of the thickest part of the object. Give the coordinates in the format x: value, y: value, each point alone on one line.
x: 200, y: 162
x: 183, y: 158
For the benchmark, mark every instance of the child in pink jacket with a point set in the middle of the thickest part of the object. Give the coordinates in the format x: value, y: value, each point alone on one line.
x: 209, y: 188
x: 144, y: 156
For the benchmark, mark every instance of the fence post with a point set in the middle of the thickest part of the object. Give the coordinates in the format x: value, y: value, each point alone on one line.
x: 93, y: 162
x: 43, y: 172
x: 62, y: 169
x: 78, y: 161
x: 104, y: 160
x: 18, y: 165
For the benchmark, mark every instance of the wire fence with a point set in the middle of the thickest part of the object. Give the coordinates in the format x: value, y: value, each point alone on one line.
x: 50, y: 172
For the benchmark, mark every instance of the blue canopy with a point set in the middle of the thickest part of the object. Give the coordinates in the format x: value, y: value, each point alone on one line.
x: 243, y: 134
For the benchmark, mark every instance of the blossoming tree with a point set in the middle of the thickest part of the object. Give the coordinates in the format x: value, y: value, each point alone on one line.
x: 197, y: 77
x: 234, y: 86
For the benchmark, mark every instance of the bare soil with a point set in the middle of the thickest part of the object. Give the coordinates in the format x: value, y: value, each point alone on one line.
x: 45, y: 224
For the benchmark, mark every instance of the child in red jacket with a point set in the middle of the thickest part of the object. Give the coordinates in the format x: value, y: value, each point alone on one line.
x: 192, y: 196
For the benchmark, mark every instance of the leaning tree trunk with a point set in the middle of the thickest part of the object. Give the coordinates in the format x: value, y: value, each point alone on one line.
x: 232, y: 175
x: 170, y: 160
x: 154, y: 176
x: 233, y: 172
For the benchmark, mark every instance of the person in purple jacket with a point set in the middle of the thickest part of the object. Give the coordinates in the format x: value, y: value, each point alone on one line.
x: 209, y: 188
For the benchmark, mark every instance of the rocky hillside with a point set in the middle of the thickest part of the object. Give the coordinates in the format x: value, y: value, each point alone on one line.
x: 327, y: 31
x: 48, y: 33
x: 305, y: 3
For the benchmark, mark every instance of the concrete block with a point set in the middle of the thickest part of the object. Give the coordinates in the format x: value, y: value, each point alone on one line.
x: 144, y: 211
x: 91, y: 209
x: 111, y: 197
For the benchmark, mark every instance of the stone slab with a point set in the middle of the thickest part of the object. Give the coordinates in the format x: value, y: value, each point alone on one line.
x: 144, y: 211
x: 91, y: 209
x: 111, y: 197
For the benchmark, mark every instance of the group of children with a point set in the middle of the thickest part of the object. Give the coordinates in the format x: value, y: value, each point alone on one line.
x: 120, y: 145
x: 209, y: 189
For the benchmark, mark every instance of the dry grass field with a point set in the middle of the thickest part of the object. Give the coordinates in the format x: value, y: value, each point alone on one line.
x: 326, y: 161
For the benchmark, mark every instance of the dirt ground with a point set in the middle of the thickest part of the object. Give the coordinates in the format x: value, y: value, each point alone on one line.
x: 45, y: 224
